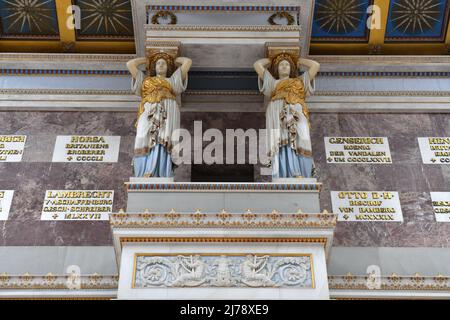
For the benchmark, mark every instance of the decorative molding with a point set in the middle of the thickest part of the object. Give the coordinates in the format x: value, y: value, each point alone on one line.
x: 57, y: 282
x: 164, y: 14
x: 387, y: 60
x: 225, y: 93
x: 59, y: 298
x: 383, y: 74
x: 221, y: 187
x: 65, y: 92
x: 392, y: 282
x: 281, y: 15
x: 383, y: 93
x: 248, y: 28
x: 55, y: 57
x: 223, y: 270
x: 223, y: 219
x: 228, y: 9
x: 62, y: 72
x: 319, y: 240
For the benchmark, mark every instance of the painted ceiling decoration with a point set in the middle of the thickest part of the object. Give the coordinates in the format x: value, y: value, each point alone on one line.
x: 406, y: 27
x: 31, y: 19
x: 105, y: 26
x: 337, y: 20
x: 339, y: 27
x: 422, y: 20
x: 105, y: 19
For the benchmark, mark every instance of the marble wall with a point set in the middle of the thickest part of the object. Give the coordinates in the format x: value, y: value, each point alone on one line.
x: 36, y: 173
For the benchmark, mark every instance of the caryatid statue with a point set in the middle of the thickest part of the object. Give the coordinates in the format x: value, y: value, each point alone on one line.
x: 287, y: 115
x: 159, y: 113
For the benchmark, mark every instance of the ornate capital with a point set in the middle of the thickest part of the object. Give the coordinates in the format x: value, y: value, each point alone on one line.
x: 171, y: 48
x: 275, y: 48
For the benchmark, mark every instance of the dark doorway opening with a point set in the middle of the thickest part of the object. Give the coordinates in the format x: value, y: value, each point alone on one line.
x: 222, y: 173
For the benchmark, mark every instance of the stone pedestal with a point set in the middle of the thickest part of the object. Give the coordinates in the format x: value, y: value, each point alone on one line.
x: 223, y: 241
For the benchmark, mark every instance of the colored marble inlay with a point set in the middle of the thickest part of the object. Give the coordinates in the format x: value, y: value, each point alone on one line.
x: 417, y: 20
x: 337, y: 20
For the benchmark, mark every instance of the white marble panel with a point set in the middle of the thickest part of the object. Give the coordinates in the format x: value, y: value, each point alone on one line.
x: 369, y: 206
x: 320, y: 291
x: 435, y: 150
x: 77, y: 205
x: 441, y: 205
x: 6, y: 197
x: 12, y: 148
x: 86, y: 149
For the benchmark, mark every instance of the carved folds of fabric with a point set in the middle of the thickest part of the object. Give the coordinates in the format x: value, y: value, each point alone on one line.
x: 292, y: 91
x: 154, y: 90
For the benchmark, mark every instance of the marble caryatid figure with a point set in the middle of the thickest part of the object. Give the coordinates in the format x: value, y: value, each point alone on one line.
x: 159, y: 113
x: 287, y: 115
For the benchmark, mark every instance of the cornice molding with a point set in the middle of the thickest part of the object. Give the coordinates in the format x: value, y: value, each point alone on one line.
x: 249, y: 28
x: 393, y: 282
x: 223, y: 219
x: 383, y: 93
x: 65, y: 92
x: 58, y: 282
x: 61, y: 57
x: 222, y: 187
x: 381, y: 59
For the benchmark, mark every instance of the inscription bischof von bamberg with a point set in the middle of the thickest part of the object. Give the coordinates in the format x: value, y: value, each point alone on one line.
x: 226, y: 270
x: 370, y: 150
x: 441, y: 205
x: 79, y: 205
x: 11, y: 148
x: 380, y: 206
x: 435, y: 150
x: 88, y: 149
x: 6, y: 197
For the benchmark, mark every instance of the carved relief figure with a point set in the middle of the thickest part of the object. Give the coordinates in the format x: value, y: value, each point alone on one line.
x: 191, y: 271
x: 253, y: 273
x: 287, y: 115
x: 224, y: 271
x: 224, y: 277
x: 159, y: 113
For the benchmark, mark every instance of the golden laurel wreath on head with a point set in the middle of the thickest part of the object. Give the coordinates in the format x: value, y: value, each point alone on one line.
x: 275, y: 61
x: 280, y: 15
x: 152, y: 59
x: 164, y: 14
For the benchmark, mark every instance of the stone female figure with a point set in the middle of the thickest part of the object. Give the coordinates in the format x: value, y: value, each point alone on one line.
x: 159, y: 113
x: 287, y: 116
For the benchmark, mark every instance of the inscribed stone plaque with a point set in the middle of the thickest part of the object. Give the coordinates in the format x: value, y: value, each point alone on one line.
x: 441, y: 205
x: 381, y: 206
x: 6, y: 197
x: 77, y: 205
x: 11, y: 148
x: 87, y: 149
x: 435, y: 150
x: 367, y: 150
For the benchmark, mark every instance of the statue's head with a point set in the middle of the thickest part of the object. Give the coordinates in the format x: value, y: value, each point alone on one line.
x: 284, y: 66
x: 161, y: 64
